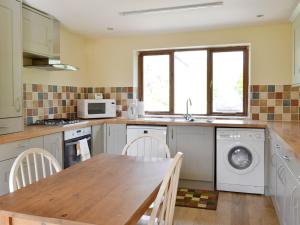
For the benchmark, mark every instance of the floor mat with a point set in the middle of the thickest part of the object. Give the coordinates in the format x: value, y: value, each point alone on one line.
x: 193, y: 198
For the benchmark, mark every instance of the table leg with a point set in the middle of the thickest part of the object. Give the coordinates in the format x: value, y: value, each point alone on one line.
x: 5, y: 220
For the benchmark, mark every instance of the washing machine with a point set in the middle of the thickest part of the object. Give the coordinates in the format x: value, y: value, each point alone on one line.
x: 240, y: 160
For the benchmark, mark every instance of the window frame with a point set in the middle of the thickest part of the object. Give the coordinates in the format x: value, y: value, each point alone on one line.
x: 210, y: 51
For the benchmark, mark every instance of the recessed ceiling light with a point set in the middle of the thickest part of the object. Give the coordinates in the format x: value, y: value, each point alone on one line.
x: 260, y: 15
x: 110, y: 29
x: 169, y: 9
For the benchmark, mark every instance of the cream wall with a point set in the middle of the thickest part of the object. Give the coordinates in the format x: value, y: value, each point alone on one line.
x: 111, y: 60
x: 73, y: 51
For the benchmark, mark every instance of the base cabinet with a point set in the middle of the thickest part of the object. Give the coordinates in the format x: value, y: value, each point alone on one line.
x: 5, y: 167
x: 197, y: 145
x: 284, y: 182
x: 53, y: 143
x: 115, y: 138
x: 98, y: 143
x: 8, y: 153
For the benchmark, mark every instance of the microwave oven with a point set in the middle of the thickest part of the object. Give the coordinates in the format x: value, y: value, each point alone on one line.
x: 96, y: 108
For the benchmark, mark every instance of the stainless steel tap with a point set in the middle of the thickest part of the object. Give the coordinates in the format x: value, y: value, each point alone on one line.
x: 188, y: 116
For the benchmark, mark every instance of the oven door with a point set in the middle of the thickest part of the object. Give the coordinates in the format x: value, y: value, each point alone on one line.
x: 70, y: 150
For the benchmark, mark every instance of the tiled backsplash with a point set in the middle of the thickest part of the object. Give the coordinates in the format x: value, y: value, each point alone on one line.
x: 275, y: 102
x: 267, y: 102
x: 52, y: 101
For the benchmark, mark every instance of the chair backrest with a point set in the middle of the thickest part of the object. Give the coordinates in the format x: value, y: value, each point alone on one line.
x: 147, y: 146
x: 30, y: 166
x: 164, y: 204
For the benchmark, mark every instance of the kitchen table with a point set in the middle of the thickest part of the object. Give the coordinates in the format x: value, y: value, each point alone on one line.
x: 105, y: 190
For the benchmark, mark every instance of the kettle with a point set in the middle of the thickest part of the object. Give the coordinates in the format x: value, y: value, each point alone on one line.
x: 132, y: 111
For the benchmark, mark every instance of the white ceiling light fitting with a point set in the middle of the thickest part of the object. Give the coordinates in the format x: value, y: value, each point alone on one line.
x: 171, y: 9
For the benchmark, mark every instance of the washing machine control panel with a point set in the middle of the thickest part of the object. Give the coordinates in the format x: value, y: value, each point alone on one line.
x: 240, y: 134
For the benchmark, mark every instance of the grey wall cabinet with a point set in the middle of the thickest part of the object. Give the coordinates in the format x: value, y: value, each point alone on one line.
x: 115, y: 138
x: 53, y: 143
x: 98, y: 143
x: 296, y: 50
x: 10, y: 67
x: 197, y: 145
x: 37, y: 32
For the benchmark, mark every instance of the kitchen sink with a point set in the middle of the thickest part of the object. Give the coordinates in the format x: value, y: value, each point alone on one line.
x: 194, y: 120
x: 179, y: 120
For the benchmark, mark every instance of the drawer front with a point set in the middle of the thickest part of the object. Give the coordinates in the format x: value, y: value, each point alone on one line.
x: 12, y: 150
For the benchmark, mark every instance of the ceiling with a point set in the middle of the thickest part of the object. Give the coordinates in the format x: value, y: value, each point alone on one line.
x: 94, y: 17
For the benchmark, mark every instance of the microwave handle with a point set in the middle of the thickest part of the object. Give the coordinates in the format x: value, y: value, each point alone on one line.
x: 76, y: 142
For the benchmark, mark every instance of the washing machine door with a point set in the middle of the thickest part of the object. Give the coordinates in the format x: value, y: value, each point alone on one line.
x: 241, y: 159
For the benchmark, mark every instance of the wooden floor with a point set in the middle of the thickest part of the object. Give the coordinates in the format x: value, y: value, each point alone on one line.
x: 233, y: 209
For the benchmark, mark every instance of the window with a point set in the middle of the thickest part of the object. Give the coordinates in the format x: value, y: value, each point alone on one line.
x: 215, y: 79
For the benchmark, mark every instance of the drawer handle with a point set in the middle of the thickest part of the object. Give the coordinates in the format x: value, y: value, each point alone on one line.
x: 286, y: 158
x: 145, y: 132
x: 3, y: 127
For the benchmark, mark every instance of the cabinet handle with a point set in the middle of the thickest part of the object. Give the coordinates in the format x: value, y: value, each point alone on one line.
x: 18, y: 105
x: 172, y: 133
x: 3, y: 127
x: 279, y: 173
x: 108, y: 131
x: 6, y: 177
x: 273, y: 160
x: 292, y: 197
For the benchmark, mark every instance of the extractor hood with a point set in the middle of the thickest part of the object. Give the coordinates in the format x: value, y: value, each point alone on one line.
x: 50, y: 65
x: 41, y: 41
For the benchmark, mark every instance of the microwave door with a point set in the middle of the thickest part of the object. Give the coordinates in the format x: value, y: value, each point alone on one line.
x: 97, y: 108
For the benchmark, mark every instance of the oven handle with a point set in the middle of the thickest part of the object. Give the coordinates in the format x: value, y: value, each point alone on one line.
x: 77, y: 142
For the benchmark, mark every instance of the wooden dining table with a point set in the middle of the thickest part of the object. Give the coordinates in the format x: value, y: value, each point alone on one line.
x: 105, y: 190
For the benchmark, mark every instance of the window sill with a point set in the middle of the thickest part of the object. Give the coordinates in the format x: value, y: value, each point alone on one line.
x: 199, y: 117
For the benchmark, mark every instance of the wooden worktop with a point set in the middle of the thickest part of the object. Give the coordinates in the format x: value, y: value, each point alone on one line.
x: 105, y: 190
x: 289, y: 132
x: 40, y: 130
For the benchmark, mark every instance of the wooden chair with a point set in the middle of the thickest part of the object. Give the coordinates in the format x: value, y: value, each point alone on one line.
x: 31, y: 166
x: 164, y: 204
x: 148, y: 147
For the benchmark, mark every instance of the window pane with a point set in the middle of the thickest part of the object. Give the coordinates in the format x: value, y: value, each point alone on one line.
x: 191, y: 81
x: 156, y: 83
x: 228, y: 82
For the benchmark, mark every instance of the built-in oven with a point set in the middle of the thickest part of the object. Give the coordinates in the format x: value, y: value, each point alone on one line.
x: 72, y: 140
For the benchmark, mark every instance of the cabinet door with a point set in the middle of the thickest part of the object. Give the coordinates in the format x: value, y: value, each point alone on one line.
x: 10, y: 59
x: 54, y: 144
x: 115, y: 138
x: 171, y: 140
x: 281, y: 190
x: 296, y: 51
x: 197, y: 145
x: 295, y: 206
x: 98, y: 139
x: 5, y: 167
x: 272, y: 167
x: 37, y: 33
x: 291, y: 210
